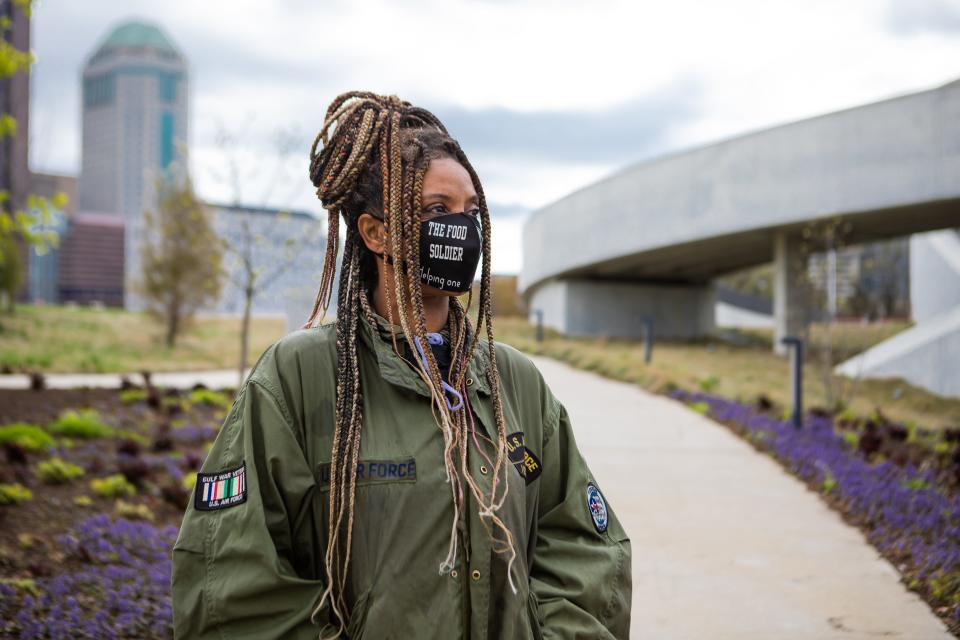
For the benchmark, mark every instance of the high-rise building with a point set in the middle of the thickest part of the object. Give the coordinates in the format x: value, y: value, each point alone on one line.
x: 15, y: 102
x: 135, y: 117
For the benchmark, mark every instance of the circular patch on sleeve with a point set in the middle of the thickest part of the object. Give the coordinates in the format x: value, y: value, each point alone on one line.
x: 598, y: 508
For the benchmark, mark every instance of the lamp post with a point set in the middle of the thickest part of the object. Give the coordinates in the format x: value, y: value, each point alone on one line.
x: 647, y: 338
x: 796, y: 361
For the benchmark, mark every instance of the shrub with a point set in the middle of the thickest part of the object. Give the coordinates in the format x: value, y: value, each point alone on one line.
x: 27, y: 540
x: 133, y: 511
x: 56, y: 471
x: 130, y: 396
x: 852, y: 438
x: 15, y: 454
x: 82, y: 501
x: 915, y: 484
x: 37, y: 381
x: 129, y: 436
x: 114, y: 486
x: 81, y: 424
x: 25, y: 584
x: 130, y: 447
x: 210, y: 398
x: 829, y: 482
x: 172, y: 405
x: 29, y: 436
x: 709, y: 383
x: 701, y: 407
x: 135, y: 470
x: 14, y: 493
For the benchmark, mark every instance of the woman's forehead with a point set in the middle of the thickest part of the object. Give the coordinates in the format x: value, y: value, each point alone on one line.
x: 447, y: 179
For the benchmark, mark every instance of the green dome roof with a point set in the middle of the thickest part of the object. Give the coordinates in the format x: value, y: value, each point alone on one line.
x: 138, y: 34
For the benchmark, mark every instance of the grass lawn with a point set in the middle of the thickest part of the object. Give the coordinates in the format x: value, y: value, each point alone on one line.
x: 80, y: 339
x: 739, y: 372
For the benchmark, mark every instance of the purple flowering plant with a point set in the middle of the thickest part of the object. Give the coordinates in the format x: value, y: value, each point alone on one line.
x: 116, y: 585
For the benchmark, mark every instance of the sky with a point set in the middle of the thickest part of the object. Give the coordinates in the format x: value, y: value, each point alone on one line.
x: 545, y: 96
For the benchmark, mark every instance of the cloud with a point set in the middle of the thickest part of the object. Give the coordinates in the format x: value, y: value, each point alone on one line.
x: 616, y: 134
x: 910, y: 17
x: 503, y: 210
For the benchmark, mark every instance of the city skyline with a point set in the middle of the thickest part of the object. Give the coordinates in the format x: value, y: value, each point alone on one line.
x: 512, y: 93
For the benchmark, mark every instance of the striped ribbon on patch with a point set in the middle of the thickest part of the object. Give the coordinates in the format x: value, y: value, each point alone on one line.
x: 221, y: 489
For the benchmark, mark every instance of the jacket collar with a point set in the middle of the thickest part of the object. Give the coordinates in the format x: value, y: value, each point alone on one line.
x: 393, y: 369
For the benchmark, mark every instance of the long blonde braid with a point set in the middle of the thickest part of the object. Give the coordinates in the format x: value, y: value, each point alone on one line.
x: 365, y: 134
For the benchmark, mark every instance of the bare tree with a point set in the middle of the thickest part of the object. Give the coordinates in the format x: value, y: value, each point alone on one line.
x: 254, y: 273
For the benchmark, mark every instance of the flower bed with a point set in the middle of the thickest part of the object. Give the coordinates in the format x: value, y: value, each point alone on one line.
x: 904, y: 509
x: 120, y: 587
x: 87, y: 524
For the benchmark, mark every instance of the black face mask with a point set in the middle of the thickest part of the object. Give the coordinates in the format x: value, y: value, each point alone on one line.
x: 450, y: 247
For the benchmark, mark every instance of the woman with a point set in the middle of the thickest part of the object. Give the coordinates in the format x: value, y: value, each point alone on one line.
x: 393, y: 475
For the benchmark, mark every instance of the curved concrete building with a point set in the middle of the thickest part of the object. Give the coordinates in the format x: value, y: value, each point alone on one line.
x: 648, y: 241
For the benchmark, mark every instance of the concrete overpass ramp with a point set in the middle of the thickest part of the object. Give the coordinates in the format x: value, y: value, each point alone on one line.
x: 927, y: 354
x: 648, y: 241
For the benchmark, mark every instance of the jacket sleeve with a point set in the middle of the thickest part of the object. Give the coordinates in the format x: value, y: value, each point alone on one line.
x: 580, y: 574
x: 238, y: 570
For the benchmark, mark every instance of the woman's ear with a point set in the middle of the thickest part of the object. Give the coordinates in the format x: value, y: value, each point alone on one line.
x: 373, y: 232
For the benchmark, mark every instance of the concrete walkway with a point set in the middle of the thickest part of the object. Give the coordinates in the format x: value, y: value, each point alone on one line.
x: 725, y: 543
x: 215, y: 379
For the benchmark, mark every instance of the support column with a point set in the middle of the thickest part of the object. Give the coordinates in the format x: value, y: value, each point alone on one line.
x: 788, y: 266
x: 622, y: 309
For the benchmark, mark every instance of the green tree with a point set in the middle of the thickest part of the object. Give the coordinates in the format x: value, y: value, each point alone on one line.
x: 181, y: 257
x: 20, y: 222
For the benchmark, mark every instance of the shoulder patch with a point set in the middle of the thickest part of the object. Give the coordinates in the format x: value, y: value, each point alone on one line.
x: 524, y: 460
x: 220, y: 489
x: 597, y: 506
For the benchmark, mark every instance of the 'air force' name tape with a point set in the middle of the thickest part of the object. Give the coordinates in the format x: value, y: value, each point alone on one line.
x: 375, y: 472
x: 220, y: 489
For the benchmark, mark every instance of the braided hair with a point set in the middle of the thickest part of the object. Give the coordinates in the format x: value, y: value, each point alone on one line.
x: 375, y: 153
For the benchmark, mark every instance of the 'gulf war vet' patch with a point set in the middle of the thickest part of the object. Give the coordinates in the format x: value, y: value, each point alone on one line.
x: 524, y: 460
x: 597, y: 506
x: 220, y: 489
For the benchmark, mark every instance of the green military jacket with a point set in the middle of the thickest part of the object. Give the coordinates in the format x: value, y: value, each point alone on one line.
x: 248, y: 561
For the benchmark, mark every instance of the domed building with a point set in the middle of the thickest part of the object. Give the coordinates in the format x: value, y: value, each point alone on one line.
x: 135, y: 117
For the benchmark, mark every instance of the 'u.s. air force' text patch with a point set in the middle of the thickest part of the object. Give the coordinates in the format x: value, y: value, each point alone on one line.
x: 220, y: 489
x: 522, y: 458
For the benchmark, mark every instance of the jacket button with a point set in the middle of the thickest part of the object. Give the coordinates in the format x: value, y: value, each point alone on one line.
x: 469, y: 382
x: 454, y: 574
x: 476, y: 574
x: 483, y: 469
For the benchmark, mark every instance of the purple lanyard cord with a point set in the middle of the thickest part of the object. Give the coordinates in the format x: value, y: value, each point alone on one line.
x: 436, y: 338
